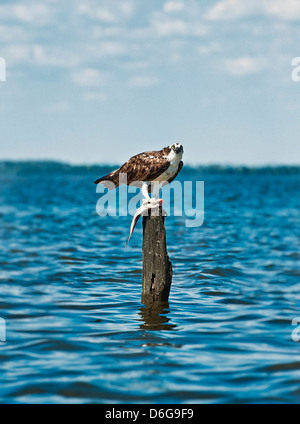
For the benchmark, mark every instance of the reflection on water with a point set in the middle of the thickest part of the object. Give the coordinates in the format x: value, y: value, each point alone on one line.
x: 155, y: 317
x: 70, y: 295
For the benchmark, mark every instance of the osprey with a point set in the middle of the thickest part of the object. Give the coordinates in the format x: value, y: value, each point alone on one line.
x: 149, y: 170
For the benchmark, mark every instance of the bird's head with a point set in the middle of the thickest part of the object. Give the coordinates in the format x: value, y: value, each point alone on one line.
x: 177, y: 148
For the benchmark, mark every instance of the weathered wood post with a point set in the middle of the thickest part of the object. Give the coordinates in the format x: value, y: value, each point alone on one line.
x: 157, y: 267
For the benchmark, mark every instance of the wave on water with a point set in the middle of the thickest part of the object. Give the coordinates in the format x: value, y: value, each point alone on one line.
x: 70, y: 294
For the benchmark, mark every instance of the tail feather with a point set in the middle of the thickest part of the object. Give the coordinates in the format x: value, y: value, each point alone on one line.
x: 106, y: 178
x: 112, y: 177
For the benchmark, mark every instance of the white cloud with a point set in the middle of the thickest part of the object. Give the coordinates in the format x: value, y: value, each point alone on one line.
x: 237, y: 9
x: 243, y: 66
x: 143, y: 81
x: 287, y: 9
x: 97, y: 13
x: 112, y: 48
x: 231, y: 9
x: 165, y: 26
x: 126, y: 8
x: 189, y: 22
x: 17, y: 54
x: 107, y: 48
x: 54, y: 57
x: 208, y: 49
x: 109, y: 12
x: 38, y: 55
x: 105, y: 32
x: 89, y: 77
x: 32, y: 13
x: 99, y: 34
x: 13, y: 34
x: 174, y: 6
x: 169, y: 27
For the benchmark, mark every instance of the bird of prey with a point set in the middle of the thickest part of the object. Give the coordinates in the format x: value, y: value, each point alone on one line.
x: 149, y: 170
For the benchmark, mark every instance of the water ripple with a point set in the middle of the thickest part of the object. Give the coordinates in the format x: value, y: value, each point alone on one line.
x: 70, y: 295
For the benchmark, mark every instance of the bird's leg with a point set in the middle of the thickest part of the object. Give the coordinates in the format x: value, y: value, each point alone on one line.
x: 145, y: 192
x: 155, y: 186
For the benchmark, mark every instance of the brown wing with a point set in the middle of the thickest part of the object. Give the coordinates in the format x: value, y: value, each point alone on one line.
x: 179, y: 169
x: 143, y: 167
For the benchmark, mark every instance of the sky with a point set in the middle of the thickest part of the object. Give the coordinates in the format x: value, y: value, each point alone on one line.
x: 98, y: 81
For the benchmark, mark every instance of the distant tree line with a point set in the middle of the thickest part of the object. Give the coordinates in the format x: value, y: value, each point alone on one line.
x: 27, y: 168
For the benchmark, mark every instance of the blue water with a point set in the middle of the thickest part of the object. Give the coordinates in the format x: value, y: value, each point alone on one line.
x: 71, y: 296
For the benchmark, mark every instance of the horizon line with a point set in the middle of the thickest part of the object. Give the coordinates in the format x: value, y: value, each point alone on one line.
x: 187, y: 164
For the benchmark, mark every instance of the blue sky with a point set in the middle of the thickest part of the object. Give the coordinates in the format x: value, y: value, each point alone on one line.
x: 99, y: 81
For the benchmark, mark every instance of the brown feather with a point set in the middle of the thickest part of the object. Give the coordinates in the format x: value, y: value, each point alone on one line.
x: 145, y: 166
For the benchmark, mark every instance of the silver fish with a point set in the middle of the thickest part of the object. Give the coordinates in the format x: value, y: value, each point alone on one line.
x: 143, y: 210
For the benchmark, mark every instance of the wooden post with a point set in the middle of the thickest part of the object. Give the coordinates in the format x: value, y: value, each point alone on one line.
x: 157, y: 268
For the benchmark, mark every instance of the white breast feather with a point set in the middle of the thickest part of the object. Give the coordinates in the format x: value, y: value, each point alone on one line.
x: 174, y: 159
